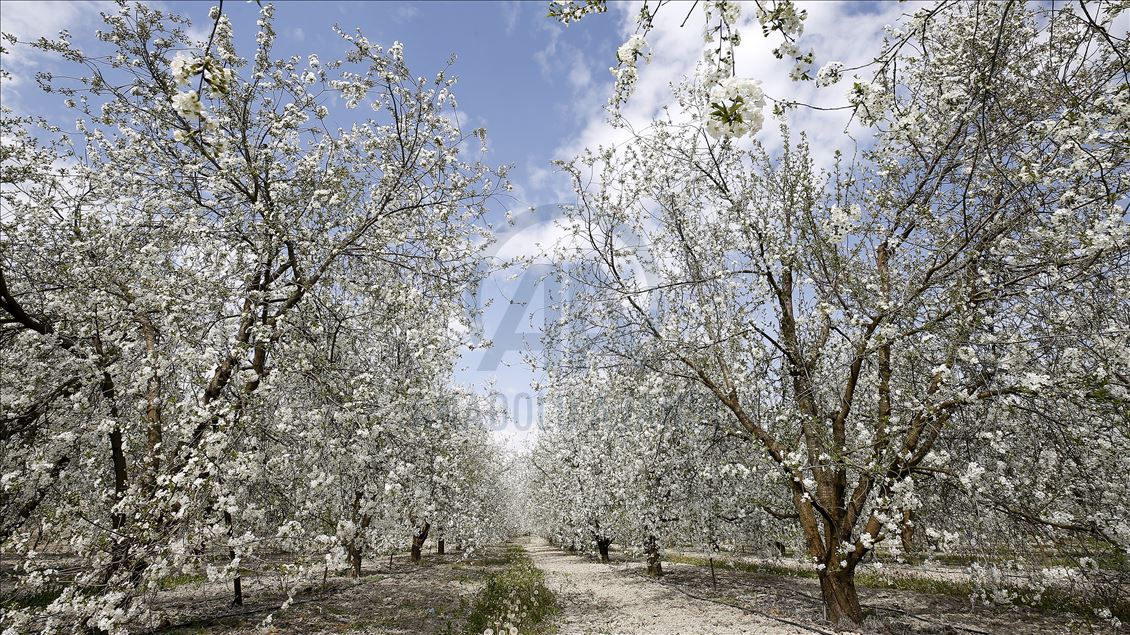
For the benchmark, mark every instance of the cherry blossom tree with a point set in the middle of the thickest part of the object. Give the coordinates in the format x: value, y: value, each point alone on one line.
x: 857, y: 322
x: 647, y: 460
x: 230, y: 312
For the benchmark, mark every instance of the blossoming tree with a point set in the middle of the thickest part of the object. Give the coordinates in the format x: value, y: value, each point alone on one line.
x: 191, y: 286
x: 857, y: 323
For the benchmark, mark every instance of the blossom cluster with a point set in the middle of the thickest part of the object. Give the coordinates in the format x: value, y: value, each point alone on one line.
x: 736, y: 108
x: 840, y: 221
x: 829, y: 74
x: 568, y: 11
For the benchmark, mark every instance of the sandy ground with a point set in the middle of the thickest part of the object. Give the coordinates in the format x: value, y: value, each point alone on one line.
x: 598, y: 598
x: 617, y: 598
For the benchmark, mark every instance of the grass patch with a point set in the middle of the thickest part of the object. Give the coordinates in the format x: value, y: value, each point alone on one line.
x: 38, y: 600
x: 514, y: 600
x: 915, y: 584
x: 1104, y: 558
x: 767, y: 568
x: 180, y: 580
x: 498, y: 560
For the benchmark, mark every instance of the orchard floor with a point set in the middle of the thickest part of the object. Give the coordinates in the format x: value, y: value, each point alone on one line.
x: 437, y: 596
x: 434, y: 596
x: 599, y: 598
x: 617, y: 598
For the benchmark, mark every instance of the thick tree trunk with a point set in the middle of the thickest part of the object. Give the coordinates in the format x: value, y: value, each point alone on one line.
x: 418, y: 541
x: 654, y: 558
x: 602, y: 544
x: 840, y: 599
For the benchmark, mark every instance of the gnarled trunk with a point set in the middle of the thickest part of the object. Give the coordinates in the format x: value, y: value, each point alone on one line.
x: 654, y: 559
x: 837, y: 583
x: 840, y: 600
x: 602, y: 544
x: 418, y: 541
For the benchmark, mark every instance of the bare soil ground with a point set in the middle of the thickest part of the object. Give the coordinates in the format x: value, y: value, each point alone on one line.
x: 619, y: 598
x: 597, y: 598
x: 437, y: 596
x: 434, y: 596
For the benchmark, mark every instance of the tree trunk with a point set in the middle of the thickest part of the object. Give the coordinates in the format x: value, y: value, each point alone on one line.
x: 153, y: 433
x: 840, y: 599
x: 439, y: 546
x: 237, y: 591
x: 654, y: 558
x: 355, y: 559
x: 418, y: 541
x: 906, y: 532
x: 119, y: 550
x: 120, y: 546
x: 602, y: 544
x: 237, y: 583
x: 355, y: 545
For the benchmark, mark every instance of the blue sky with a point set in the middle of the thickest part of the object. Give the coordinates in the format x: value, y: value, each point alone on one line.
x: 531, y: 82
x: 538, y: 87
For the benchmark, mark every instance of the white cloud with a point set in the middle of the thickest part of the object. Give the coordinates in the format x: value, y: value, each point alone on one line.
x: 536, y: 241
x: 579, y: 76
x: 403, y: 13
x: 29, y: 21
x: 545, y: 57
x: 558, y: 58
x: 537, y: 175
x: 510, y: 10
x: 836, y: 30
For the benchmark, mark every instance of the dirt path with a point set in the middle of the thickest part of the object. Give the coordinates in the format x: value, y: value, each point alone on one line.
x: 598, y: 598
